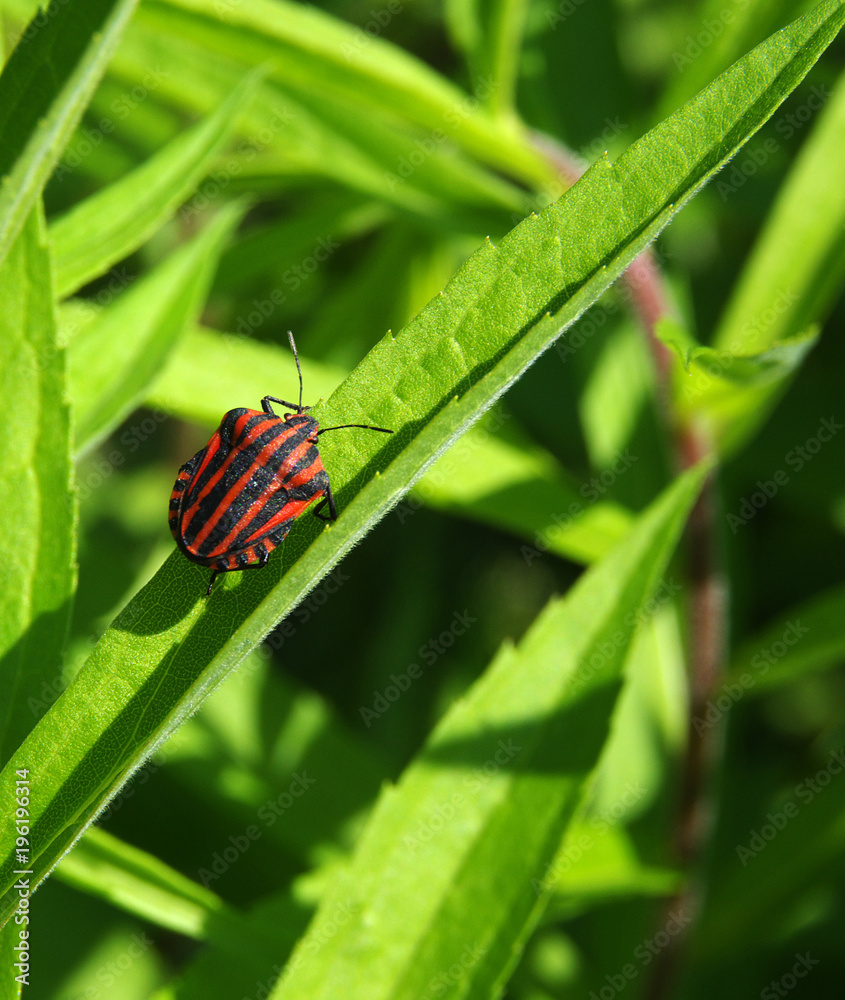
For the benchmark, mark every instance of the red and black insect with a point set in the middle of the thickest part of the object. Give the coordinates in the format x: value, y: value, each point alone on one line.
x: 236, y: 500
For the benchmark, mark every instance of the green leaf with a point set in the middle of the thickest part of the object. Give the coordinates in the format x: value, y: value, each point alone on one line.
x: 36, y: 475
x: 11, y: 984
x: 732, y: 392
x: 138, y: 883
x: 598, y: 861
x: 109, y: 225
x: 421, y: 888
x: 805, y: 639
x: 745, y: 371
x: 650, y: 725
x: 619, y: 386
x: 793, y: 274
x: 321, y: 225
x: 293, y: 129
x: 228, y: 753
x: 250, y: 955
x: 797, y: 265
x: 170, y: 645
x: 490, y: 34
x: 116, y: 356
x: 133, y: 880
x: 44, y: 88
x: 511, y: 484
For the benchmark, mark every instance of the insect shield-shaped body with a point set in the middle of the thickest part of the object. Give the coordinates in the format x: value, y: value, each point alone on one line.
x: 236, y: 500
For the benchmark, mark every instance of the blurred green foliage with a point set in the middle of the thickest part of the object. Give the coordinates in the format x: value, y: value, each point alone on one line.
x: 245, y: 167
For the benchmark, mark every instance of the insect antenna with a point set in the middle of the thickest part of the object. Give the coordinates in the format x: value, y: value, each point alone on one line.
x: 299, y: 370
x: 340, y: 427
x: 366, y: 427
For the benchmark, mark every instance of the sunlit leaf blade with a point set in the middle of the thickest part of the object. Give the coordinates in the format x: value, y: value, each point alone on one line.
x: 10, y: 974
x: 369, y: 148
x: 44, y: 88
x: 108, y: 226
x: 619, y: 387
x: 516, y: 486
x: 170, y: 645
x: 290, y: 131
x: 794, y: 272
x: 118, y: 354
x: 449, y: 847
x: 38, y: 544
x: 596, y: 862
x: 129, y: 878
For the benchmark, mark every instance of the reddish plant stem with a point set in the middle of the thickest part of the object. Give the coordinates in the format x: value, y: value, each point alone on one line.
x: 695, y: 815
x: 708, y: 606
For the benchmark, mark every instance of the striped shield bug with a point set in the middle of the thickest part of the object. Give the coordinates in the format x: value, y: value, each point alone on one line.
x: 237, y: 498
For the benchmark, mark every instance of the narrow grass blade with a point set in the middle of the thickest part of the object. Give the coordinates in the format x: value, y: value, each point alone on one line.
x: 492, y: 792
x: 119, y: 353
x: 108, y: 226
x: 44, y: 88
x: 36, y: 476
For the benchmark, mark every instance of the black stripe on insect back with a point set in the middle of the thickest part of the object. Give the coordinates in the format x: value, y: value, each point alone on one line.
x: 260, y: 501
x: 262, y: 483
x: 226, y: 448
x: 238, y: 462
x: 251, y: 529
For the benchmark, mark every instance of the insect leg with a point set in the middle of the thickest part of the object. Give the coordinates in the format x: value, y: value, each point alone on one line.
x: 265, y: 405
x: 327, y: 499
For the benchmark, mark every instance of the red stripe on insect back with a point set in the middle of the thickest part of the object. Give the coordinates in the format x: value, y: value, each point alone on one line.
x: 301, y: 476
x: 254, y: 509
x: 286, y: 514
x: 245, y: 437
x: 224, y: 505
x: 211, y: 450
x: 289, y: 512
x: 235, y: 454
x: 240, y: 424
x: 289, y: 469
